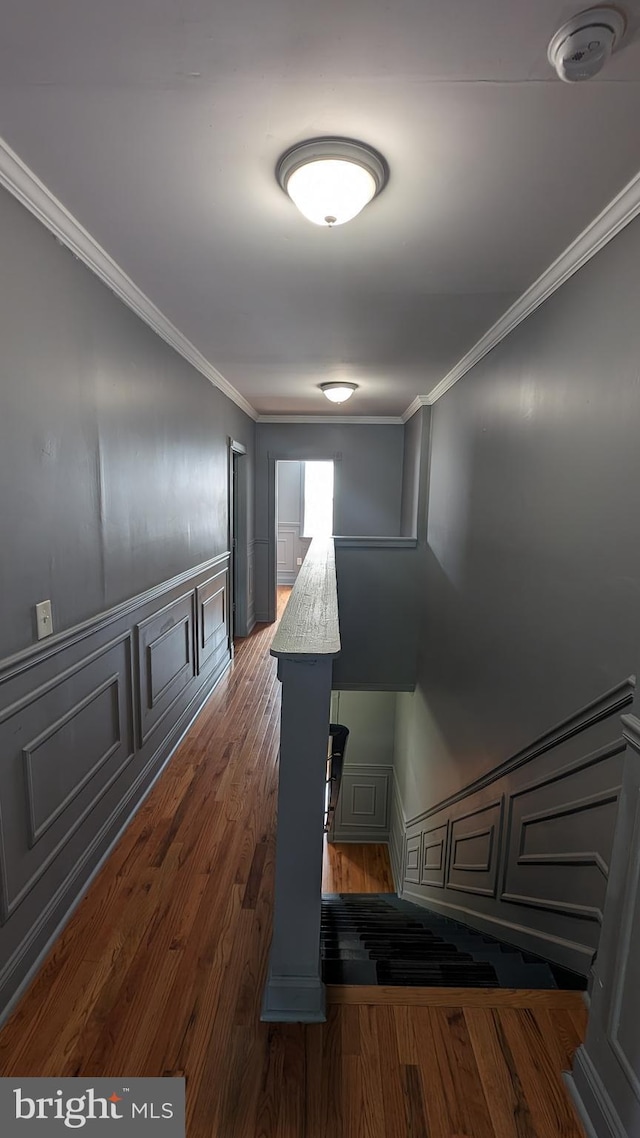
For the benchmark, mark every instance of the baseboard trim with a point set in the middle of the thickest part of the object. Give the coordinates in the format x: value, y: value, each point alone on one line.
x: 594, y: 1107
x: 294, y: 999
x: 172, y: 742
x: 566, y: 953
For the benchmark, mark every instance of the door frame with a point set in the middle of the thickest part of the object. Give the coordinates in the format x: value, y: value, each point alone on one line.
x: 297, y: 454
x: 237, y: 539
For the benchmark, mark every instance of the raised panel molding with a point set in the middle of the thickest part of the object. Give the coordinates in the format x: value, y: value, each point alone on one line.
x: 413, y: 858
x: 73, y: 764
x: 83, y: 738
x: 213, y: 617
x: 623, y: 1014
x: 89, y: 742
x: 533, y: 864
x: 363, y: 800
x: 363, y: 805
x: 166, y: 661
x: 569, y: 834
x: 473, y: 862
x: 435, y: 843
x: 397, y: 826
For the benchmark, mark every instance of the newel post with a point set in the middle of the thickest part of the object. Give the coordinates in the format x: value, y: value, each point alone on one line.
x: 305, y: 645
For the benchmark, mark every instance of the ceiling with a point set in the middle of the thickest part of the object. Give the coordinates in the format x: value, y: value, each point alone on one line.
x: 159, y: 123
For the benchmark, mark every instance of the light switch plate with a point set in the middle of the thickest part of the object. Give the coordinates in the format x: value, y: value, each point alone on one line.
x: 44, y: 619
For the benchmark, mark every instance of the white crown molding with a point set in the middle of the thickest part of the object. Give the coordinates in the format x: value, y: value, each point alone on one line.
x: 418, y: 402
x: 618, y: 213
x: 20, y: 181
x: 341, y: 420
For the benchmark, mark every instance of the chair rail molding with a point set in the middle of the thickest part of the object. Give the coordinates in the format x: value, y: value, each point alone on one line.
x: 88, y: 719
x: 523, y: 852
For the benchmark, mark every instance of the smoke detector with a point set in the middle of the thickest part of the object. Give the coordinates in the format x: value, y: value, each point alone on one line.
x: 582, y: 46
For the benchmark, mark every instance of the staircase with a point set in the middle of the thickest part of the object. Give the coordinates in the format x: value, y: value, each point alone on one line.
x: 376, y: 938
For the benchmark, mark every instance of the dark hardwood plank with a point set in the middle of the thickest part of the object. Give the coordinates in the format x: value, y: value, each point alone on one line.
x: 505, y: 1097
x: 549, y: 1103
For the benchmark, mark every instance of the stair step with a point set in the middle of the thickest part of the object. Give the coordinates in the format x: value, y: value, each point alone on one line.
x: 381, y: 939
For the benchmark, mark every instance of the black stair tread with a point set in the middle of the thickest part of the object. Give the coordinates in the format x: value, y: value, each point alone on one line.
x: 373, y: 938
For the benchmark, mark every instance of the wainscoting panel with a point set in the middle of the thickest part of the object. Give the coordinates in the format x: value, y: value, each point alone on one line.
x: 62, y: 746
x: 363, y: 805
x: 212, y: 600
x: 473, y: 862
x: 166, y: 660
x: 434, y: 856
x: 87, y: 720
x: 412, y: 858
x: 290, y: 546
x: 560, y: 838
x: 524, y: 851
x: 251, y: 586
x: 397, y: 828
x: 605, y: 1081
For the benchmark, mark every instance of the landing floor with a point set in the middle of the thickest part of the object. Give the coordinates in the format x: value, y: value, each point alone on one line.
x: 160, y: 972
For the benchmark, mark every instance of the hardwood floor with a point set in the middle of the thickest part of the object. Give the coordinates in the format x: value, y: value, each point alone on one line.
x: 352, y: 868
x: 160, y: 972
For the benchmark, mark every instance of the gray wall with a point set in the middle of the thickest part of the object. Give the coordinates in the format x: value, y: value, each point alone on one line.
x: 530, y: 581
x: 363, y: 806
x: 368, y: 481
x: 377, y: 604
x: 414, y: 464
x: 113, y: 450
x: 113, y: 504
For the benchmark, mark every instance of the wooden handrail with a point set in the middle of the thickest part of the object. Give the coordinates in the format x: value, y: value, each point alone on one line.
x: 309, y: 626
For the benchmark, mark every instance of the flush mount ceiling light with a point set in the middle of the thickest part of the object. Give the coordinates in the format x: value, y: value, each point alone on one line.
x: 338, y: 392
x: 582, y: 46
x: 331, y: 179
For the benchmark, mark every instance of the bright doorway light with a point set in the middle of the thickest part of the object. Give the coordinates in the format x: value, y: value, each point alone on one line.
x: 318, y: 499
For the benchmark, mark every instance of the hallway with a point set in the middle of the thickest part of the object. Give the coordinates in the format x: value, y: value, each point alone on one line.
x: 161, y: 972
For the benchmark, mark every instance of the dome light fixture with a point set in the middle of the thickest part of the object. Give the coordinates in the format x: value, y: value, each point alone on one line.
x: 338, y: 392
x: 331, y: 180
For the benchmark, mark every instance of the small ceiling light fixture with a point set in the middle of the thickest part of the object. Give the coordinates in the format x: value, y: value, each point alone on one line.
x: 331, y: 179
x: 338, y: 392
x: 582, y: 46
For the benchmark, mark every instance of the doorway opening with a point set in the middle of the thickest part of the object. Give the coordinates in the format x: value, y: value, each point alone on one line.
x: 238, y: 542
x: 304, y: 510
